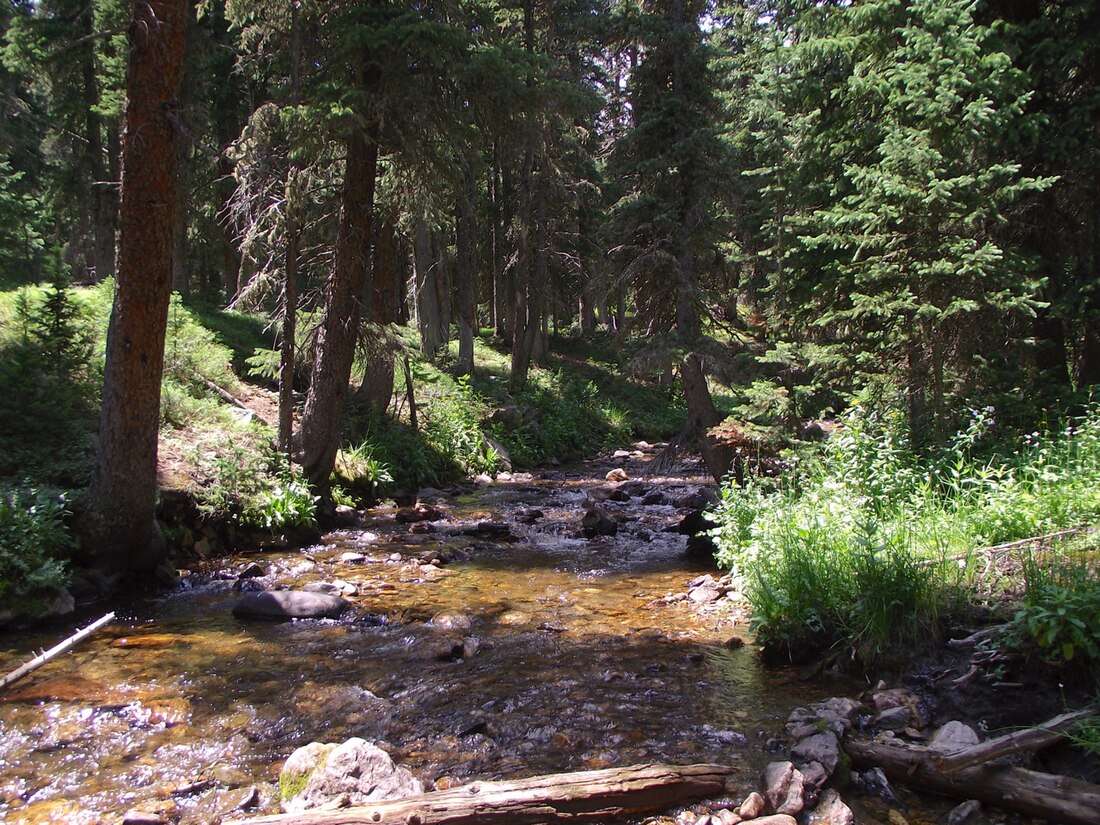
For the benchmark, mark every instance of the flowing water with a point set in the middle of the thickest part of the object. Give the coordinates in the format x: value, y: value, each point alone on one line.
x: 535, y: 652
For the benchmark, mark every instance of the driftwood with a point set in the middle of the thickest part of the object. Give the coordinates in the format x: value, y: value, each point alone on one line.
x: 55, y: 651
x: 1022, y: 741
x: 1056, y: 798
x: 603, y: 794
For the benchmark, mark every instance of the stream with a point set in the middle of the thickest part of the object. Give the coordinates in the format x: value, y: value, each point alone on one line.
x: 524, y: 649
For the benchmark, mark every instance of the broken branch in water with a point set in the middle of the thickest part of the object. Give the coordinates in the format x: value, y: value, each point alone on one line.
x: 55, y: 651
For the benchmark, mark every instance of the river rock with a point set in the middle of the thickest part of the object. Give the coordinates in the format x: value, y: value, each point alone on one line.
x: 895, y: 719
x: 954, y: 736
x: 319, y: 773
x: 529, y: 515
x: 697, y: 499
x: 597, y: 521
x: 136, y: 816
x: 873, y: 782
x: 752, y: 807
x: 831, y: 810
x: 654, y: 498
x: 821, y: 747
x: 419, y: 512
x: 289, y: 604
x: 776, y: 819
x: 783, y: 788
x: 618, y: 474
x: 450, y: 620
x: 814, y: 775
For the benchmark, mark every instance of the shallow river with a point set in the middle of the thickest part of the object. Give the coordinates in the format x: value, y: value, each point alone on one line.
x: 538, y: 652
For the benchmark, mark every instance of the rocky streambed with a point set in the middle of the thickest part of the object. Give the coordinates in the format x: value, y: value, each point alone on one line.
x: 519, y: 626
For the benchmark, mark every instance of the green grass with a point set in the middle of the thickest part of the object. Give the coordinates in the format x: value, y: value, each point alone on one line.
x: 864, y: 545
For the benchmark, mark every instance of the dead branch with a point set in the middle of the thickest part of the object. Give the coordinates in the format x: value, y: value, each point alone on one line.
x: 55, y: 651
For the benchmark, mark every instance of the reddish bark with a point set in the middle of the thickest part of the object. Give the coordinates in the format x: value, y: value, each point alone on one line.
x: 319, y: 434
x: 121, y: 532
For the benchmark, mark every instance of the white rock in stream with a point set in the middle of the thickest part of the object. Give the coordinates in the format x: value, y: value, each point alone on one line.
x: 319, y: 773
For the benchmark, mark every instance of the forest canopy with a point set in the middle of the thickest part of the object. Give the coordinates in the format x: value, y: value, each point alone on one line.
x: 808, y: 202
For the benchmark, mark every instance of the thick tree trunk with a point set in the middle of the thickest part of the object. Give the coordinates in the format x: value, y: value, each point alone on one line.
x: 319, y: 433
x: 377, y: 387
x: 121, y: 531
x: 585, y: 795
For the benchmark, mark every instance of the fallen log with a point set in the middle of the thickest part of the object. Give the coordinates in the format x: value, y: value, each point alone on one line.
x: 55, y: 651
x: 603, y: 794
x: 1044, y: 795
x: 1021, y: 741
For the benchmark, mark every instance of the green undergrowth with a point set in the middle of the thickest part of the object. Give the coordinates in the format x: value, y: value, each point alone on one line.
x: 865, y: 545
x: 577, y: 404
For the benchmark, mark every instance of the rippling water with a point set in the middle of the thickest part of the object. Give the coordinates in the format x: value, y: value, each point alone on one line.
x: 549, y: 653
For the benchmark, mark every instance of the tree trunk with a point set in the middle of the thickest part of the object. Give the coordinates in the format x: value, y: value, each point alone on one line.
x: 122, y: 496
x: 319, y: 433
x: 104, y: 204
x: 377, y: 387
x: 523, y: 327
x: 466, y: 272
x: 607, y: 794
x: 428, y: 318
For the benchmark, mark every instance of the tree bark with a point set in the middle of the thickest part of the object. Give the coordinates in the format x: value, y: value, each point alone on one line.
x: 466, y: 272
x: 377, y: 387
x: 122, y: 496
x: 568, y: 797
x: 104, y: 202
x: 319, y: 433
x: 428, y: 316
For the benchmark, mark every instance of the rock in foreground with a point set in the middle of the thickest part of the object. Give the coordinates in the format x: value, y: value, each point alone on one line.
x: 355, y: 772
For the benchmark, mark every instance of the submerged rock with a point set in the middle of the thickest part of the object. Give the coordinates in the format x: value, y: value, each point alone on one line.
x: 289, y: 604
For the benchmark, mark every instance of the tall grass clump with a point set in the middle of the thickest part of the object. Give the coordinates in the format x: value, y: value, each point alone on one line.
x: 865, y: 541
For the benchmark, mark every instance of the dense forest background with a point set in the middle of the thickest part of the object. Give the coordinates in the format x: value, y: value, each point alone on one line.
x: 813, y: 202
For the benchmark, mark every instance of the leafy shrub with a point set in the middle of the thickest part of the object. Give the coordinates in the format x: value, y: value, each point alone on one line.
x: 33, y: 541
x: 256, y: 489
x: 360, y: 475
x: 850, y: 544
x: 1059, y: 615
x: 453, y: 428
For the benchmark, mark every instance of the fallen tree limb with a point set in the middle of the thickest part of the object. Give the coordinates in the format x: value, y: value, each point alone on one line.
x: 55, y: 651
x: 1021, y: 741
x: 1044, y: 795
x: 603, y: 794
x: 229, y: 398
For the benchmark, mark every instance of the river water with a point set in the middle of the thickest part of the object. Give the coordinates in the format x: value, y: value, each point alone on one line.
x: 533, y: 652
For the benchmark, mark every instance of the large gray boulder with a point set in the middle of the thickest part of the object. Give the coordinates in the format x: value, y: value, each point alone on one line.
x: 289, y: 604
x: 355, y: 773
